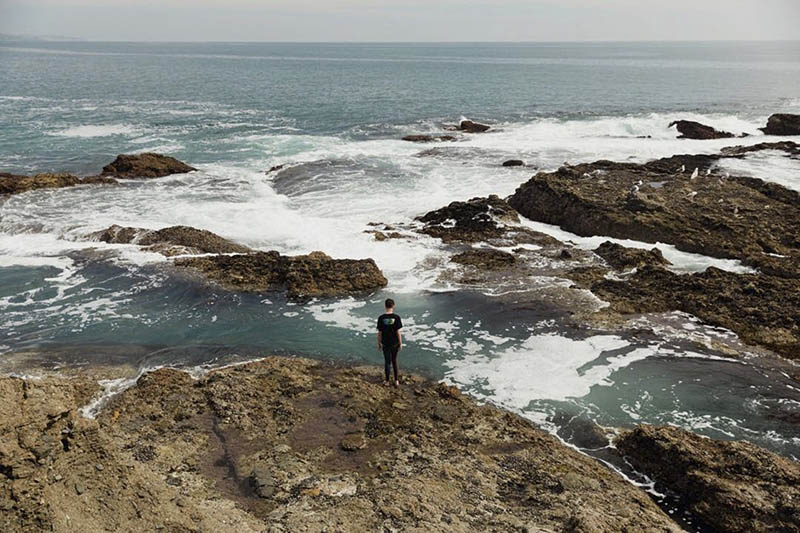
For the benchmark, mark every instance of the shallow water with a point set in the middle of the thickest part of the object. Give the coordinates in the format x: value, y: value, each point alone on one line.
x: 334, y: 114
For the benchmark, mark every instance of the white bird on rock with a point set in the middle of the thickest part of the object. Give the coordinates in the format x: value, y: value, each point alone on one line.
x: 691, y: 195
x: 682, y: 169
x: 708, y: 172
x: 695, y: 173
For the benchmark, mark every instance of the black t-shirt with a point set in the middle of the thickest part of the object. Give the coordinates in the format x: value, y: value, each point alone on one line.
x: 388, y: 326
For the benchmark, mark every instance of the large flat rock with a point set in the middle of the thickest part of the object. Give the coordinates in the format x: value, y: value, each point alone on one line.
x: 289, y: 444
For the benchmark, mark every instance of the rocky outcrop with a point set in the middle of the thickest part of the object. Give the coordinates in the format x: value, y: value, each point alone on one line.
x: 473, y: 127
x: 730, y: 486
x: 428, y: 138
x: 16, y: 184
x: 478, y: 219
x: 239, y: 268
x: 294, y: 445
x: 761, y: 309
x: 690, y: 129
x: 514, y: 163
x: 147, y: 165
x: 171, y: 241
x: 709, y: 215
x: 124, y: 166
x: 315, y: 275
x: 782, y: 124
x: 622, y: 258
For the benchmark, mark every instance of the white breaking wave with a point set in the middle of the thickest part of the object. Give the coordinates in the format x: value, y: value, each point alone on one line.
x: 103, y: 130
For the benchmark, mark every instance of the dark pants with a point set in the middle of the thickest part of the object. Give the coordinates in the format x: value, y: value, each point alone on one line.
x: 390, y: 360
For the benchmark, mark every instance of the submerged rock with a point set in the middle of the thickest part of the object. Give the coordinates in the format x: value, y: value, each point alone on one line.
x: 730, y: 486
x: 473, y: 127
x: 174, y: 240
x: 428, y: 138
x: 147, y: 165
x: 690, y: 129
x: 782, y: 124
x: 16, y: 184
x: 315, y: 275
x: 514, y: 163
x: 290, y: 444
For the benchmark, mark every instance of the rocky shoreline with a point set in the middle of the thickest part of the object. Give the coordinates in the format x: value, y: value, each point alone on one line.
x: 286, y: 444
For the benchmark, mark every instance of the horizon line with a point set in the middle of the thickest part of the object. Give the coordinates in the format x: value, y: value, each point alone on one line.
x: 68, y: 39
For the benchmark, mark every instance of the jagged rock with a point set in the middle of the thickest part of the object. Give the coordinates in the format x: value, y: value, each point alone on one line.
x: 275, y: 168
x: 174, y: 240
x: 428, y: 138
x: 782, y: 124
x: 709, y: 215
x: 690, y: 129
x: 16, y: 184
x: 302, y: 277
x: 473, y: 127
x: 514, y: 163
x: 478, y: 219
x: 217, y: 436
x: 728, y: 486
x: 485, y: 259
x: 761, y: 309
x: 147, y: 165
x: 623, y: 258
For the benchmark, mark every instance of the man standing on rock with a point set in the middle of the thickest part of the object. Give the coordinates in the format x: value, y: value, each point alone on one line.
x: 390, y: 340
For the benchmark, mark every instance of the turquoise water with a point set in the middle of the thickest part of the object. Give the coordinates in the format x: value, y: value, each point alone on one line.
x: 334, y: 114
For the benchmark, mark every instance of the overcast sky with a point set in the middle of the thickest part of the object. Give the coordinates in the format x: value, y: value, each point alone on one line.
x: 404, y: 20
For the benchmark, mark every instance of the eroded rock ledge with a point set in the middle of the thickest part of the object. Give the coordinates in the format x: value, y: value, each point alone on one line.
x: 294, y: 445
x: 239, y: 268
x: 147, y: 165
x: 730, y: 486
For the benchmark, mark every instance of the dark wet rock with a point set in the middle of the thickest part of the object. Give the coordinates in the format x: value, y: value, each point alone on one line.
x: 219, y: 435
x: 761, y: 309
x: 782, y: 124
x: 175, y: 240
x: 485, y: 259
x: 580, y: 431
x: 790, y: 147
x: 16, y: 184
x: 428, y: 138
x: 473, y: 127
x: 729, y: 486
x: 315, y: 275
x: 622, y: 258
x: 147, y: 165
x: 275, y: 168
x: 709, y: 215
x: 682, y: 164
x: 690, y: 129
x: 475, y: 220
x: 514, y: 163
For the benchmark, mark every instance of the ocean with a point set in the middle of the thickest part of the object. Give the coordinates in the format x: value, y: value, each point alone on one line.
x: 334, y: 114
